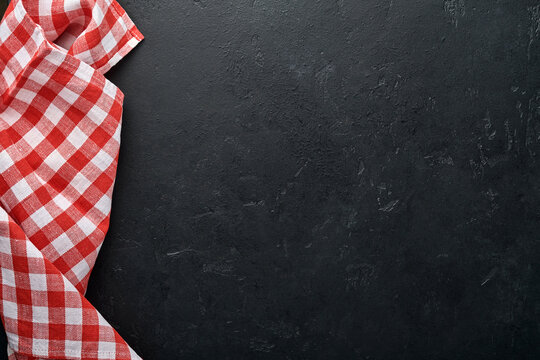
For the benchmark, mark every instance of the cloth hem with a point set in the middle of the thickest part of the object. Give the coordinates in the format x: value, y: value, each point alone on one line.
x: 135, y: 37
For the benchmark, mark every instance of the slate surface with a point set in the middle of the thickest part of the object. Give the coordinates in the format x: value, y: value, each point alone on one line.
x: 328, y: 180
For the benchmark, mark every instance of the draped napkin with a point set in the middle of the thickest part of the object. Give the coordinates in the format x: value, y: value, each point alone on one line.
x: 60, y: 124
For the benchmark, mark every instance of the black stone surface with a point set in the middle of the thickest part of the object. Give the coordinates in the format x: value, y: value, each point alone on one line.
x: 330, y: 179
x: 3, y: 6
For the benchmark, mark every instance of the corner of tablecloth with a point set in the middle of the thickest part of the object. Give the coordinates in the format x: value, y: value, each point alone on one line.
x: 134, y: 37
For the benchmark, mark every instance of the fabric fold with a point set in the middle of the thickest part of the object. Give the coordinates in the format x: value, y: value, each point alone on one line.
x: 60, y: 122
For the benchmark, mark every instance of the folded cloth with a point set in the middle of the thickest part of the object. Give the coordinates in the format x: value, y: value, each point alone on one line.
x: 60, y: 124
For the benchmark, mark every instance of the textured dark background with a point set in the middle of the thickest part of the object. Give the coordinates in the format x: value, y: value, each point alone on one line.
x: 334, y: 179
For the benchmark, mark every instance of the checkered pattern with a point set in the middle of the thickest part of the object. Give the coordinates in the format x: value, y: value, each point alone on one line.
x: 60, y: 124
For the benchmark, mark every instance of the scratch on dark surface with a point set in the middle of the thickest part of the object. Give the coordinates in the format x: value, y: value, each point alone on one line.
x: 218, y: 268
x: 261, y: 345
x: 299, y: 171
x: 389, y: 206
x: 323, y: 75
x: 200, y: 3
x: 181, y: 252
x: 361, y: 168
x: 534, y: 27
x: 490, y: 132
x: 532, y: 130
x: 359, y: 275
x: 489, y: 276
x: 455, y: 9
x: 254, y: 203
x: 198, y: 216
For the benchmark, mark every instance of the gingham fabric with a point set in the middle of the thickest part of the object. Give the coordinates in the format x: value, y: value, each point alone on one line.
x: 59, y: 139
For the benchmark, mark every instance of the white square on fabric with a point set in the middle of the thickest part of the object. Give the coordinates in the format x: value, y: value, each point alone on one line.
x: 44, y: 8
x: 25, y: 96
x: 5, y: 243
x: 116, y: 135
x: 76, y: 137
x: 73, y: 348
x: 33, y: 253
x: 62, y: 202
x: 7, y: 74
x: 81, y: 269
x: 56, y: 57
x: 97, y: 114
x: 97, y: 14
x: 102, y: 321
x: 4, y: 31
x: 41, y: 217
x: 21, y: 190
x: 40, y: 345
x: 116, y: 58
x: 109, y: 42
x: 40, y: 314
x: 83, y: 73
x: 55, y: 160
x: 19, y: 11
x: 71, y: 5
x: 69, y: 96
x: 54, y: 114
x: 102, y: 160
x: 87, y: 228
x: 62, y: 244
x: 9, y: 309
x: 80, y: 183
x: 37, y: 36
x: 39, y: 77
x: 10, y: 115
x: 12, y: 338
x: 8, y: 277
x: 86, y: 56
x: 38, y: 281
x: 22, y: 56
x: 73, y: 316
x: 104, y: 204
x: 105, y: 349
x: 33, y: 137
x: 5, y: 161
x: 110, y: 90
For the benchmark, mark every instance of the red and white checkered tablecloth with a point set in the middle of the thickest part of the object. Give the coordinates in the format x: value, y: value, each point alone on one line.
x: 60, y: 122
